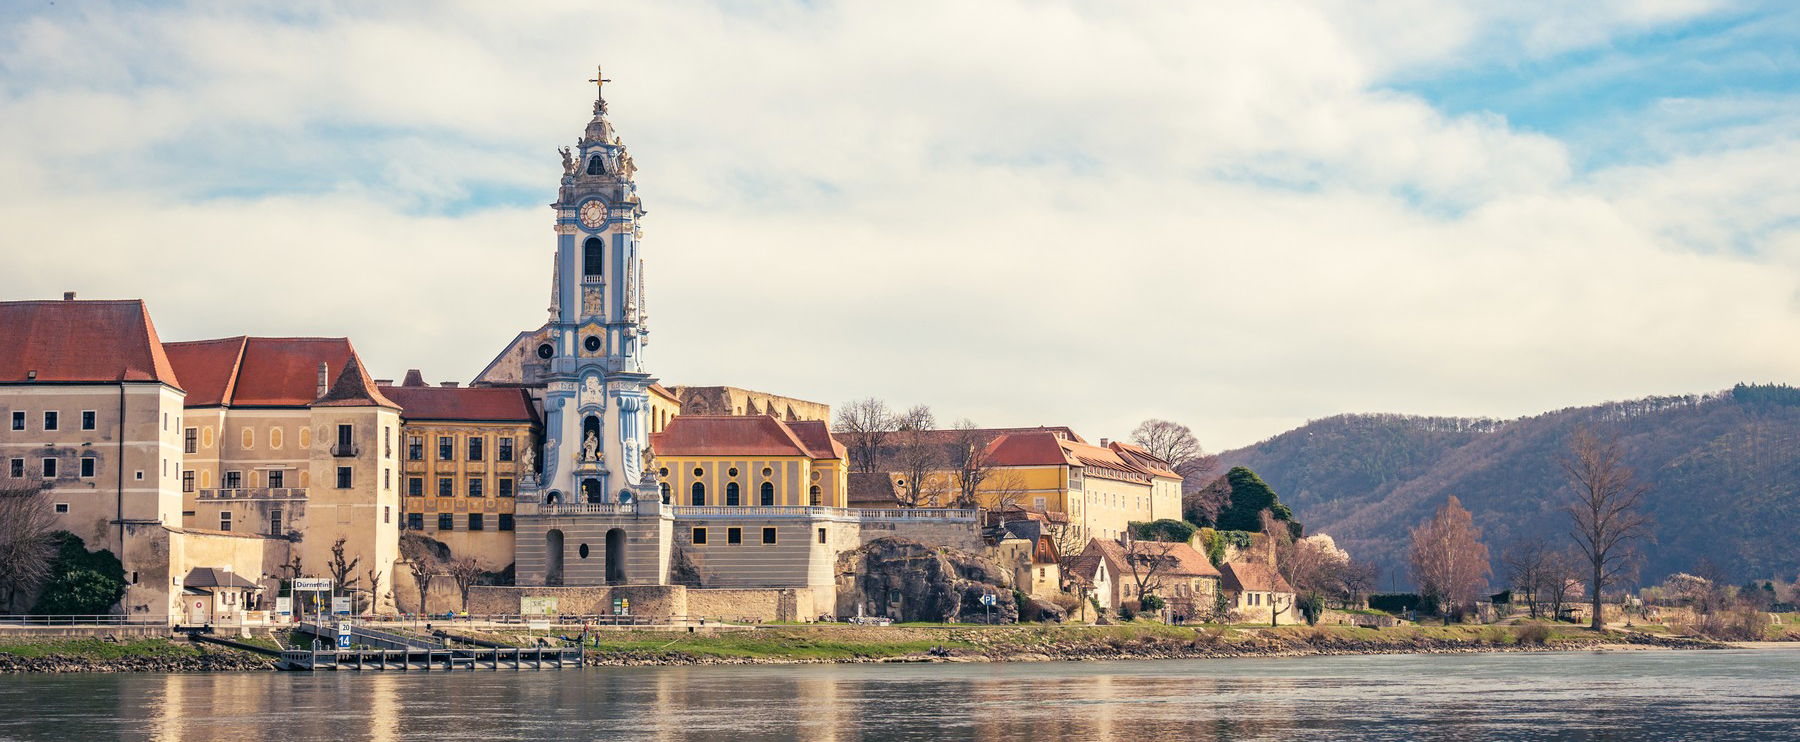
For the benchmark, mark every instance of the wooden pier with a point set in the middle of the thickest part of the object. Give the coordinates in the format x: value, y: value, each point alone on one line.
x: 429, y: 660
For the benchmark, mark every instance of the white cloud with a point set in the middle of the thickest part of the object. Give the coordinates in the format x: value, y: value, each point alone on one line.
x: 1020, y: 212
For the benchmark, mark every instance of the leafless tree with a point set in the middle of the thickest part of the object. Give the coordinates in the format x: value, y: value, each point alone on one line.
x: 1070, y: 540
x: 343, y: 572
x: 919, y: 459
x: 1176, y: 444
x: 292, y: 566
x: 1447, y: 557
x: 1355, y: 581
x: 421, y: 562
x: 969, y: 451
x: 1145, y: 563
x: 374, y: 576
x: 864, y: 426
x: 1528, y: 566
x: 1562, y: 573
x: 1204, y: 503
x: 464, y: 572
x: 1605, y: 512
x: 26, y: 546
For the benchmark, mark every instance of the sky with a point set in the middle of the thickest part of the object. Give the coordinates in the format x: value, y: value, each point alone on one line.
x: 1239, y: 216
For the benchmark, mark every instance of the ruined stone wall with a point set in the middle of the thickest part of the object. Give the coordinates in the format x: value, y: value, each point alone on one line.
x: 647, y: 601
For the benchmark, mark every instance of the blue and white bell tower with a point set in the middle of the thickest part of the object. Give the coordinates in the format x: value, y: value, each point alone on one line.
x: 595, y: 399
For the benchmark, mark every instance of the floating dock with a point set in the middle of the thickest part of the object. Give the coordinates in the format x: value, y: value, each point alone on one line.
x: 430, y: 660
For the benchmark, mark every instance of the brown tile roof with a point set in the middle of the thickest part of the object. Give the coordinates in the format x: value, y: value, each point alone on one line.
x: 816, y: 436
x: 872, y: 490
x: 1185, y: 561
x: 1035, y: 448
x: 727, y: 435
x: 468, y: 403
x: 1139, y: 457
x: 81, y: 341
x: 1241, y: 576
x: 354, y: 388
x: 266, y: 372
x: 1084, y: 568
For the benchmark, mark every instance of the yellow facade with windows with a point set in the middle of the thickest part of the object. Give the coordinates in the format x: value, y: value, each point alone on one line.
x: 749, y: 461
x: 462, y: 459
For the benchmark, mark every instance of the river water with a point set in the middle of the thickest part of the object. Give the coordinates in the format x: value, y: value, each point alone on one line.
x: 1749, y: 694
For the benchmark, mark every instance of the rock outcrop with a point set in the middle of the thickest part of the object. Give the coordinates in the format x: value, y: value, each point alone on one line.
x: 908, y: 581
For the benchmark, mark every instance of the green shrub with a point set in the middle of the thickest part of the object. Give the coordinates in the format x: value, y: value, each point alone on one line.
x: 1395, y: 602
x: 82, y: 582
x: 1152, y: 602
x: 1312, y: 606
x: 1166, y: 529
x: 1126, y: 612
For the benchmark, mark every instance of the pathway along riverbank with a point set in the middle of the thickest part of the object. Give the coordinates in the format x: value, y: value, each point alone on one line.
x: 827, y: 643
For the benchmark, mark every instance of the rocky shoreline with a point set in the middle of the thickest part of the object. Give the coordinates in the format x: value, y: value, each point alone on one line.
x: 204, y: 662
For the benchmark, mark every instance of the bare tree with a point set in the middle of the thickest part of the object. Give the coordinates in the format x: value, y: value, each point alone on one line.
x: 374, y: 576
x: 464, y: 572
x: 919, y: 458
x: 1176, y: 444
x: 343, y: 572
x: 1605, y: 513
x: 1562, y: 572
x: 864, y: 426
x: 26, y: 546
x: 1355, y: 581
x: 421, y: 562
x: 969, y: 451
x: 1145, y: 563
x: 1203, y: 504
x: 1070, y: 540
x: 1528, y: 566
x: 1447, y: 557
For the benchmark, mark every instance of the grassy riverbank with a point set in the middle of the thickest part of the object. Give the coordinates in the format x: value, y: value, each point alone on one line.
x: 89, y: 654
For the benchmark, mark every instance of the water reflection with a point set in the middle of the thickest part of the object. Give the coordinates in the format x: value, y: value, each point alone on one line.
x: 1623, y: 696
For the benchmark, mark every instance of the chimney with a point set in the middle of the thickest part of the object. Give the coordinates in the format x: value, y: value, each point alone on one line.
x: 1104, y: 443
x: 384, y: 382
x: 414, y: 378
x: 324, y: 378
x: 68, y: 296
x: 447, y: 384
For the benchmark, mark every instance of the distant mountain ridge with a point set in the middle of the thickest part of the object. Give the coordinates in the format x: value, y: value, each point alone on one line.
x: 1724, y: 470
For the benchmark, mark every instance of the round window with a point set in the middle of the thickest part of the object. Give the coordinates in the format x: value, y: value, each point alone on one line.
x: 663, y: 471
x: 816, y: 476
x: 546, y: 350
x: 583, y: 551
x: 592, y: 343
x: 699, y: 472
x: 767, y: 471
x: 732, y: 472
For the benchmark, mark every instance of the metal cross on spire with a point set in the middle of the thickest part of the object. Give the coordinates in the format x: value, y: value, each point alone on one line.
x: 599, y: 80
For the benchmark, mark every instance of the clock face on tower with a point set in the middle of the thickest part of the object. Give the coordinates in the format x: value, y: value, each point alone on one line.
x: 593, y: 214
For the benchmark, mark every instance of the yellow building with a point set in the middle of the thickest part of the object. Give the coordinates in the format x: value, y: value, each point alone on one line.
x: 744, y: 461
x: 1101, y: 489
x: 463, y: 454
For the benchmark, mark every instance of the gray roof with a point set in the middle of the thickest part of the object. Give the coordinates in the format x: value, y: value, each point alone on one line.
x: 209, y: 577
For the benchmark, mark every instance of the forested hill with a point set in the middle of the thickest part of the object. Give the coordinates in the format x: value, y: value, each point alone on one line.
x: 1724, y: 471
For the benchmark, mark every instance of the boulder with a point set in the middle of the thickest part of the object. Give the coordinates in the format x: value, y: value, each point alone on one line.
x: 905, y: 580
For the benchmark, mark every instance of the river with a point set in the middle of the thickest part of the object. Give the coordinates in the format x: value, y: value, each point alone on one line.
x: 1643, y: 695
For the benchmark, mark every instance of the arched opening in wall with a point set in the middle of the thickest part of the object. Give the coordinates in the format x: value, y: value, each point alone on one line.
x: 553, y: 557
x: 624, y: 494
x: 554, y: 498
x: 731, y: 494
x: 664, y: 486
x: 591, y: 255
x: 615, y: 556
x: 591, y: 492
x: 815, y: 497
x: 767, y: 496
x: 590, y: 430
x: 698, y: 497
x: 596, y: 165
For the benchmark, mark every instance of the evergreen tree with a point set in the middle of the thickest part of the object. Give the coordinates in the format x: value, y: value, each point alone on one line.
x: 1250, y: 497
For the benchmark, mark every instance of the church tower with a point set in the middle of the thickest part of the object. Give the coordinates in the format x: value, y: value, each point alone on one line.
x: 596, y: 400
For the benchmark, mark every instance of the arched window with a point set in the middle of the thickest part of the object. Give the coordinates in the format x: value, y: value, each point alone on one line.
x: 698, y: 498
x: 817, y: 497
x: 664, y: 486
x: 596, y: 165
x: 590, y: 257
x: 731, y: 494
x: 768, y: 494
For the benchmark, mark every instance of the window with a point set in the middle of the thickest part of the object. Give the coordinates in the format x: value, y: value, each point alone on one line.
x: 731, y: 494
x: 504, y: 488
x: 506, y: 521
x: 415, y: 448
x: 277, y: 478
x: 387, y: 479
x: 187, y: 481
x: 821, y: 535
x: 343, y: 477
x: 734, y: 535
x: 345, y: 434
x: 87, y: 420
x: 446, y: 522
x: 415, y: 486
x: 190, y: 441
x: 62, y: 507
x: 505, y: 452
x: 767, y: 471
x: 768, y: 535
x: 275, y: 522
x: 475, y: 488
x: 15, y: 468
x: 591, y: 257
x: 49, y: 468
x: 698, y: 497
x: 165, y: 421
x: 475, y: 523
x: 18, y: 420
x: 446, y: 448
x: 732, y: 472
x: 225, y: 520
x: 87, y: 467
x: 387, y: 442
x: 475, y: 451
x: 387, y: 514
x: 815, y: 497
x: 50, y: 420
x: 767, y: 497
x: 415, y: 521
x: 234, y: 480
x: 663, y: 487
x: 699, y: 472
x: 699, y: 537
x: 446, y: 487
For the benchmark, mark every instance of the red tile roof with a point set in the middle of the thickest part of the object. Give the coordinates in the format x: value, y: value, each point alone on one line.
x: 469, y: 403
x: 354, y: 388
x: 1241, y: 576
x: 1181, y: 559
x: 268, y: 372
x: 816, y: 436
x: 1029, y: 449
x: 730, y: 435
x: 81, y: 341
